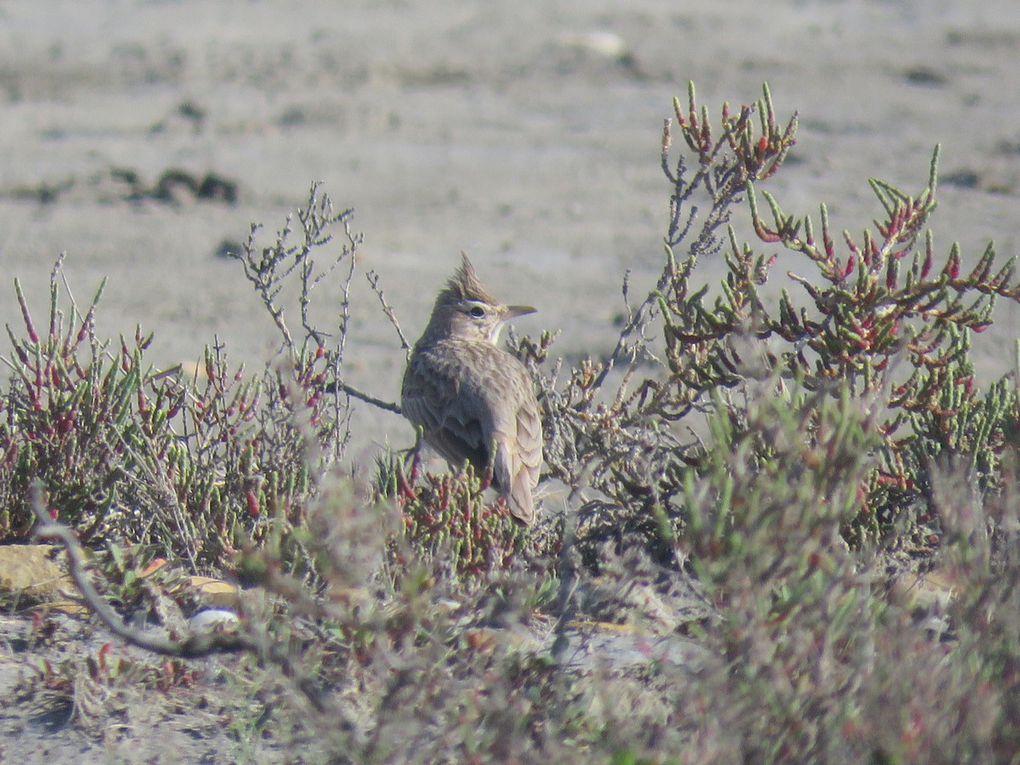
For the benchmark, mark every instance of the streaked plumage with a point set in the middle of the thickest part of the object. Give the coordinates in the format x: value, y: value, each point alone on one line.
x: 474, y: 401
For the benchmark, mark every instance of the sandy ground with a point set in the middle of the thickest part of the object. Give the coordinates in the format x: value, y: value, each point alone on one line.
x: 465, y: 125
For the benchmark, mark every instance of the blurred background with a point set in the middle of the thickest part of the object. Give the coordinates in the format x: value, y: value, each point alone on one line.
x: 144, y: 137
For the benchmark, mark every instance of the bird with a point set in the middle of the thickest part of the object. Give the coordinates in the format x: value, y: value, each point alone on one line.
x: 471, y: 400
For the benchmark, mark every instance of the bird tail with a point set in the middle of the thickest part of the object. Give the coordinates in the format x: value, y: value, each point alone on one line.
x: 520, y: 500
x: 514, y: 481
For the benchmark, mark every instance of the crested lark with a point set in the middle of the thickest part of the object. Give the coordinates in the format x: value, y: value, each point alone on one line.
x: 472, y: 400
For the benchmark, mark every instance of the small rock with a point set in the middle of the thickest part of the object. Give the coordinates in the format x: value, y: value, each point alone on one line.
x: 228, y: 248
x: 213, y: 619
x: 31, y: 572
x: 214, y: 592
x: 601, y: 43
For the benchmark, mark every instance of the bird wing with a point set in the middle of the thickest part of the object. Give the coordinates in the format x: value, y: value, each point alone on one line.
x: 440, y: 396
x: 517, y: 435
x: 472, y: 400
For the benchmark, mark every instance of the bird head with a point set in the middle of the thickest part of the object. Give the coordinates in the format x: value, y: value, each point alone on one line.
x: 466, y: 310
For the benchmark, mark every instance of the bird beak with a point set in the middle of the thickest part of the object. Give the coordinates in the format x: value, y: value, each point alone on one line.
x: 513, y: 311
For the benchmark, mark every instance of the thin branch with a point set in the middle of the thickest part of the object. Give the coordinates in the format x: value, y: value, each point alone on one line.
x: 355, y: 393
x: 373, y: 280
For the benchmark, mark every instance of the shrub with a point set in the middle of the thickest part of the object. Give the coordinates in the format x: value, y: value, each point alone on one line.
x: 197, y: 468
x: 878, y: 320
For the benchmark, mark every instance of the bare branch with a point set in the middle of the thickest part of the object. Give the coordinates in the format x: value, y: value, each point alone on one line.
x: 353, y: 392
x: 373, y: 280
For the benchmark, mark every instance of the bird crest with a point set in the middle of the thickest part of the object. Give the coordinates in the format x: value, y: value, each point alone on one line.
x: 465, y: 285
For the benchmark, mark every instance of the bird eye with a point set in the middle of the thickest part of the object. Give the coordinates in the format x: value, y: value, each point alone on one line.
x: 477, y: 312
